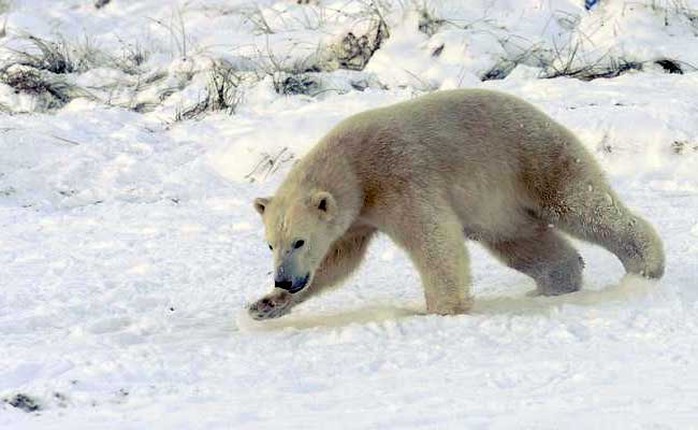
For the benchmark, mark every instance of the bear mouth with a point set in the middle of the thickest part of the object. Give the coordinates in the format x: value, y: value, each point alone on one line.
x: 299, y: 284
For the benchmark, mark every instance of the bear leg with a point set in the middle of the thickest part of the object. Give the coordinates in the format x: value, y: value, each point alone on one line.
x: 434, y: 242
x: 596, y: 215
x: 548, y: 258
x: 343, y: 258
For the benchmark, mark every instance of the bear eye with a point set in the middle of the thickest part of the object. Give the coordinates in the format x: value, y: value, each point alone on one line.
x: 271, y: 248
x: 297, y: 244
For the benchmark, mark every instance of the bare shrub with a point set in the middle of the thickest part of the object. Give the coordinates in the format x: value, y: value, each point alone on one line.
x: 570, y: 61
x: 62, y: 57
x: 255, y: 16
x: 269, y: 164
x: 51, y: 90
x: 612, y: 68
x: 132, y: 58
x: 223, y: 93
x: 178, y: 32
x: 500, y: 70
x: 293, y: 84
x: 353, y: 53
x: 55, y: 57
x: 428, y: 23
x: 289, y: 77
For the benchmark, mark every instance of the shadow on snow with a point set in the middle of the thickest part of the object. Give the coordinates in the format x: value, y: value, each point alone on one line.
x: 630, y: 288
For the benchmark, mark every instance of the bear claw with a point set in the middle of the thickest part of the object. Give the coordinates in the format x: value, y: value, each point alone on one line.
x: 272, y: 306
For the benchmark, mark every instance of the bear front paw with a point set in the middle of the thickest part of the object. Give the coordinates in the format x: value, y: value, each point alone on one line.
x: 274, y: 305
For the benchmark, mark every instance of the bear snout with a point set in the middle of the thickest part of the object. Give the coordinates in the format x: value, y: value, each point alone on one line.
x: 292, y: 285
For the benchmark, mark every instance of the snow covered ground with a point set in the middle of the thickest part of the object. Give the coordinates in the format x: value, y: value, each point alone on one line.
x: 129, y: 246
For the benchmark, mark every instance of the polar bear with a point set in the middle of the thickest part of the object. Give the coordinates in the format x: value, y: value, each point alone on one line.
x: 431, y: 173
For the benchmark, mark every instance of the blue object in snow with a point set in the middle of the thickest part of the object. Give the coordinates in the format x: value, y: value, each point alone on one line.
x: 589, y: 4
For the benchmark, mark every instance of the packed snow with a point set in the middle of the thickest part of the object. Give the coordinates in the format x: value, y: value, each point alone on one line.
x: 129, y: 247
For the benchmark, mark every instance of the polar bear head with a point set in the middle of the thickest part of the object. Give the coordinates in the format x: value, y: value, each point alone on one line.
x: 299, y: 231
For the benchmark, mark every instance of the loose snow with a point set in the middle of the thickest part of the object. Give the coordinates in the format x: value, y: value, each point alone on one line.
x: 129, y: 247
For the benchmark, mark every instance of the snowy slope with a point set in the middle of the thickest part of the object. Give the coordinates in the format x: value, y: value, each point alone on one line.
x: 129, y: 247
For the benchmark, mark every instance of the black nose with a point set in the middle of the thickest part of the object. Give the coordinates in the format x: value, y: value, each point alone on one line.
x: 284, y: 285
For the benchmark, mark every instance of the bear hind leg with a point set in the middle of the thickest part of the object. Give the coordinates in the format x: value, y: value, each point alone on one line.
x: 596, y: 215
x: 547, y: 257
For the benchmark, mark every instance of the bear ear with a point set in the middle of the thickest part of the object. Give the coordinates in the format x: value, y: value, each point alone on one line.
x: 261, y: 203
x: 324, y: 203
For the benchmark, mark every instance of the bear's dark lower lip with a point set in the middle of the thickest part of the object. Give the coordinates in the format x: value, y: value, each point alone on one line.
x: 299, y: 284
